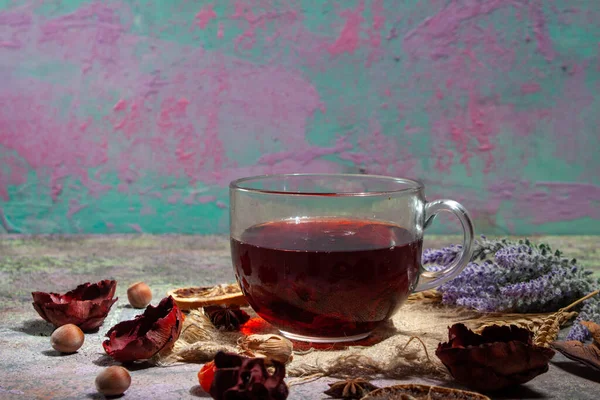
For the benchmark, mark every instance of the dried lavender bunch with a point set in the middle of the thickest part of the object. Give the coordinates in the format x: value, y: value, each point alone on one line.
x: 508, y: 276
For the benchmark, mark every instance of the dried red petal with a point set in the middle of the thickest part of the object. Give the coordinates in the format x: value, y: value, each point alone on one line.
x: 142, y: 337
x: 85, y: 306
x: 243, y: 378
x: 206, y: 375
x: 500, y: 357
x: 588, y: 354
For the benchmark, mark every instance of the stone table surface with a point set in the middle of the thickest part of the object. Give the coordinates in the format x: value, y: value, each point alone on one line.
x: 31, y: 369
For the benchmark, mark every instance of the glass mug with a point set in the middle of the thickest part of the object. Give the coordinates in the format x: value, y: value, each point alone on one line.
x: 329, y: 257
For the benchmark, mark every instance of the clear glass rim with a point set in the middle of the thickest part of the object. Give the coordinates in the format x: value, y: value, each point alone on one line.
x: 410, y: 185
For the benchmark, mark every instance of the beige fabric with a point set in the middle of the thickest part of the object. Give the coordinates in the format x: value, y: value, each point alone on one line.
x: 388, y: 353
x: 394, y: 354
x: 402, y: 348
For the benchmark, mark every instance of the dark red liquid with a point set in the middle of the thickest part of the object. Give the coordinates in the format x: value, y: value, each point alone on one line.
x: 326, y: 277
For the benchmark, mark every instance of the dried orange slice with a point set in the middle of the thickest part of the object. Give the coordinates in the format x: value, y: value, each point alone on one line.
x: 422, y: 392
x: 189, y: 298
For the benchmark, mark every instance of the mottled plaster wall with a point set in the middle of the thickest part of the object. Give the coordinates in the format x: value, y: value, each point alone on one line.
x: 133, y: 116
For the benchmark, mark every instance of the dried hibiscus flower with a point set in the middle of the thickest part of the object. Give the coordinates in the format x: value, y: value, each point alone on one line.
x: 228, y: 318
x: 85, y: 306
x: 588, y: 354
x: 142, y: 337
x: 242, y: 378
x: 500, y: 357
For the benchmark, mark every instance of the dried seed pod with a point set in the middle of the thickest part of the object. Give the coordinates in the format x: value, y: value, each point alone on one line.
x: 229, y: 318
x: 271, y: 347
x: 356, y: 388
x: 67, y: 338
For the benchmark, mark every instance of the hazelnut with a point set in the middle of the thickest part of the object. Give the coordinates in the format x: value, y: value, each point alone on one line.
x: 139, y: 295
x: 113, y: 381
x: 67, y: 338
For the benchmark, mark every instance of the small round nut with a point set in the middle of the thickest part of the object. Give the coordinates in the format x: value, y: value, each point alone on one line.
x: 113, y: 381
x: 139, y: 295
x: 67, y: 338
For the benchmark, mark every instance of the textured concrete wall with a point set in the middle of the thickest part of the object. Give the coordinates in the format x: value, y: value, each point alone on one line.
x: 125, y: 116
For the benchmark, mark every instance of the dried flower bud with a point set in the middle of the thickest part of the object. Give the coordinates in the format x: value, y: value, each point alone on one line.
x: 270, y: 347
x: 67, y: 338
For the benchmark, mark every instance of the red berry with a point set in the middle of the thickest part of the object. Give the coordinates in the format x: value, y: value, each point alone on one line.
x: 206, y: 375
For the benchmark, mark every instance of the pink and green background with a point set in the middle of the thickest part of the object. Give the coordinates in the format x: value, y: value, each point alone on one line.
x: 133, y: 116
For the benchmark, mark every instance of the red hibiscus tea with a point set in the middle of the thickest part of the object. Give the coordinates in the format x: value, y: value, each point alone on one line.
x: 324, y: 267
x: 326, y: 277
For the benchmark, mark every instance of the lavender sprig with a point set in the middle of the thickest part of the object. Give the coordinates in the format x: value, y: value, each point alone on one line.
x: 441, y: 257
x: 511, y: 276
x: 589, y: 312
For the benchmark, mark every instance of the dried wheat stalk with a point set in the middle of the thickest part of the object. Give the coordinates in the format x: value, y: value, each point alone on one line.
x: 548, y: 331
x: 528, y: 321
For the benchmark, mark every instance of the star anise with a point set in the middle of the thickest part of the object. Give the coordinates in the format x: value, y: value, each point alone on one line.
x: 229, y: 318
x: 350, y: 389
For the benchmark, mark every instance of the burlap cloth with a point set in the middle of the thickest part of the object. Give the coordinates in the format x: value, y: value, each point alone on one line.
x: 403, y: 347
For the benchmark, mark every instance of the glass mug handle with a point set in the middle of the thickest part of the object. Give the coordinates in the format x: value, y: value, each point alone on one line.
x: 432, y: 279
